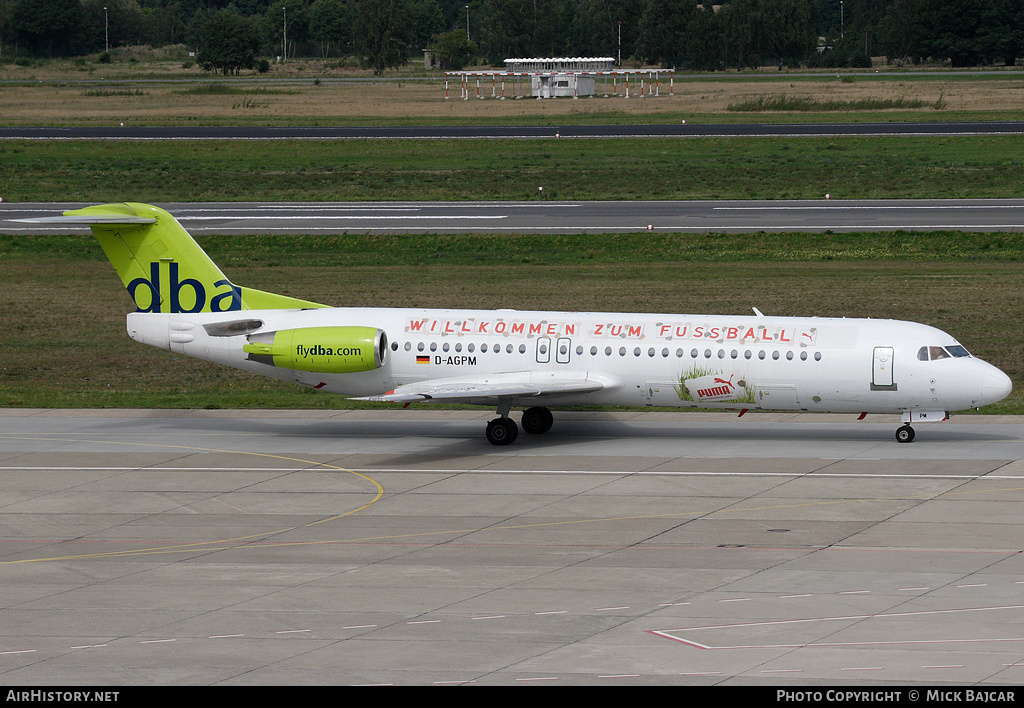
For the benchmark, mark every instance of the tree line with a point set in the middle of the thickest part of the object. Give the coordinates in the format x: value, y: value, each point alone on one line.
x: 384, y: 34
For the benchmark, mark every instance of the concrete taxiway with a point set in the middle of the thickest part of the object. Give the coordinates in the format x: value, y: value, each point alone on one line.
x: 385, y: 546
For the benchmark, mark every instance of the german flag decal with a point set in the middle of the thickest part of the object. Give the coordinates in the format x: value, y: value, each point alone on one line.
x: 423, y: 360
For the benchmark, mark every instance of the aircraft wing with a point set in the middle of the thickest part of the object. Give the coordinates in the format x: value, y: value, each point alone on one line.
x: 474, y: 388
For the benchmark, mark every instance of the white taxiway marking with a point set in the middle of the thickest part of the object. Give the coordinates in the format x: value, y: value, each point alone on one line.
x: 671, y: 633
x: 412, y: 470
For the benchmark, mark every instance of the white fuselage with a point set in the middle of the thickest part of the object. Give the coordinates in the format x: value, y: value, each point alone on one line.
x: 705, y: 361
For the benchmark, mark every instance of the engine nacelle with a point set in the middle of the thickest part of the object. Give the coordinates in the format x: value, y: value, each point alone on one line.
x: 325, y: 350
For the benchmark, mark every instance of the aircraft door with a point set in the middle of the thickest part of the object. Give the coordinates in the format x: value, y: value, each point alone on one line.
x: 881, y: 371
x: 563, y: 347
x: 544, y: 350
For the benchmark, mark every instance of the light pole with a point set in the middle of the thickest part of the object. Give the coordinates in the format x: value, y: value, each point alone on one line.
x: 842, y: 21
x: 284, y: 35
x: 106, y: 31
x: 467, y: 23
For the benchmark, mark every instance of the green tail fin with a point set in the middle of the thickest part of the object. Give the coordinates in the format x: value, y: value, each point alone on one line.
x: 161, y: 265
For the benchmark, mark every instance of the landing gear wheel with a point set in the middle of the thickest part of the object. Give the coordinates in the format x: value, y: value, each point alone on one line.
x: 502, y: 431
x: 537, y: 420
x: 904, y: 434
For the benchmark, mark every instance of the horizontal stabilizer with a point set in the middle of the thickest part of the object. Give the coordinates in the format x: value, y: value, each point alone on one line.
x: 88, y: 219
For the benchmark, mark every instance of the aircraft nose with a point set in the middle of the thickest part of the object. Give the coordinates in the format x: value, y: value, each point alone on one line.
x: 996, y: 385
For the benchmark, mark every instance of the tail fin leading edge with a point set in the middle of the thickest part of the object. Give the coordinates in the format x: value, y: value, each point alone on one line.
x: 161, y: 265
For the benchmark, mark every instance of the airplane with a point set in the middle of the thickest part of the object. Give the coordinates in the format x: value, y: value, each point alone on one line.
x: 534, y: 359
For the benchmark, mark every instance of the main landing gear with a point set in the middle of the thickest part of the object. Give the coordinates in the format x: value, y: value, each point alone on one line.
x: 904, y: 434
x: 537, y: 420
x: 504, y: 431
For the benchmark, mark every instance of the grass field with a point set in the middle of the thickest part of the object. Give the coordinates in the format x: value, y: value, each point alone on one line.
x: 705, y: 168
x: 65, y: 345
x: 154, y: 92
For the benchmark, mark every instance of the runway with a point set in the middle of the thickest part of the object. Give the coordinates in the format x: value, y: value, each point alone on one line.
x: 397, y: 547
x: 566, y: 216
x: 527, y: 132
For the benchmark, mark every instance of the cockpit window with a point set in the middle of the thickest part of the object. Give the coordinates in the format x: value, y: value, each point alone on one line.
x: 935, y: 353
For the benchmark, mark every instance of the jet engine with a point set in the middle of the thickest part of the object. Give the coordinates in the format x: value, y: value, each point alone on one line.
x: 325, y: 350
